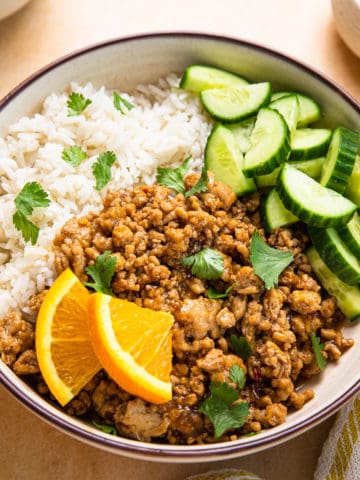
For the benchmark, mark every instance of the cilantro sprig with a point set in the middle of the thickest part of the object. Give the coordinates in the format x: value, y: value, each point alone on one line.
x: 102, y: 169
x: 29, y: 230
x: 102, y: 272
x: 31, y: 196
x: 317, y: 349
x: 207, y: 264
x: 241, y: 346
x: 174, y: 178
x: 237, y: 376
x: 73, y: 155
x: 77, y: 103
x: 213, y: 294
x: 105, y: 428
x: 120, y: 103
x: 220, y: 406
x: 268, y: 262
x: 200, y: 185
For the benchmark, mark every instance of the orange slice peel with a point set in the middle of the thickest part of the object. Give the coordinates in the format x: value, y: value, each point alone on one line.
x: 134, y: 345
x: 78, y: 333
x: 64, y: 352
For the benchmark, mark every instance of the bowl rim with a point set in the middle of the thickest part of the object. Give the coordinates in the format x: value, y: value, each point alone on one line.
x: 332, y: 84
x: 176, y: 453
x: 152, y: 451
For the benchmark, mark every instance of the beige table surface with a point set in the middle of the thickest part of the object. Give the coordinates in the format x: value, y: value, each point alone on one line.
x: 47, y: 29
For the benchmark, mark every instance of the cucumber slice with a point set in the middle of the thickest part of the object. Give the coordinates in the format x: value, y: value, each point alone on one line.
x: 274, y: 213
x: 309, y: 110
x: 269, y: 180
x: 336, y: 256
x: 242, y: 132
x: 288, y: 106
x: 225, y: 160
x: 350, y: 234
x: 310, y: 201
x: 232, y: 104
x: 310, y: 167
x: 352, y: 190
x: 269, y: 143
x: 340, y: 159
x: 276, y: 95
x: 347, y: 296
x: 310, y: 143
x: 201, y: 77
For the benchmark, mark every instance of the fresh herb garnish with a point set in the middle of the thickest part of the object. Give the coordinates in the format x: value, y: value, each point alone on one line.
x: 207, y: 264
x: 102, y: 169
x: 317, y: 349
x: 212, y: 293
x: 174, y: 178
x: 31, y: 196
x: 241, y: 346
x: 102, y: 273
x: 250, y: 434
x: 268, y: 262
x: 73, y: 155
x: 105, y: 428
x: 77, y: 103
x: 200, y: 185
x: 121, y: 102
x: 220, y: 406
x: 237, y: 376
x: 29, y: 230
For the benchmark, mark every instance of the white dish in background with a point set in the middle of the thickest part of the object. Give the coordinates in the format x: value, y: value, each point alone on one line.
x: 127, y: 62
x: 8, y: 7
x: 347, y: 20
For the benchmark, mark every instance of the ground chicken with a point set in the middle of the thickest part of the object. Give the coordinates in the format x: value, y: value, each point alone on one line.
x: 149, y: 231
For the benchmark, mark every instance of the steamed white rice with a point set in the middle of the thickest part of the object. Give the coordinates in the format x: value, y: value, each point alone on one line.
x: 166, y: 126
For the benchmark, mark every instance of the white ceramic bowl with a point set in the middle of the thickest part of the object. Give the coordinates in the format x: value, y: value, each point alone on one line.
x: 126, y: 62
x: 8, y: 7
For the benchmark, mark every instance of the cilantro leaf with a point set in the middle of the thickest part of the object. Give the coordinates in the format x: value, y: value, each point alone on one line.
x: 28, y: 229
x: 73, y: 155
x: 220, y: 407
x: 207, y: 264
x: 32, y: 195
x: 212, y: 293
x: 223, y: 417
x: 105, y: 428
x: 121, y: 102
x: 102, y: 169
x: 268, y: 262
x: 240, y: 346
x: 201, y: 184
x: 102, y: 273
x: 173, y: 177
x: 224, y: 392
x: 317, y: 349
x: 237, y: 376
x: 77, y: 103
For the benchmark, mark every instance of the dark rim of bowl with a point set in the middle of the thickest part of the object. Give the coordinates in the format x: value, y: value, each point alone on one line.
x: 152, y: 450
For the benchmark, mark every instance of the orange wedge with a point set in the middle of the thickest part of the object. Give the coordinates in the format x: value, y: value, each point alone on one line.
x: 65, y: 355
x: 133, y: 345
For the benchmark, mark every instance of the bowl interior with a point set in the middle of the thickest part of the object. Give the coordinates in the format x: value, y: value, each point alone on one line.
x: 123, y: 64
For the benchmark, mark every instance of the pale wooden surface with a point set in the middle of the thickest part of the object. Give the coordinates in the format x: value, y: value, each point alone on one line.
x: 47, y: 29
